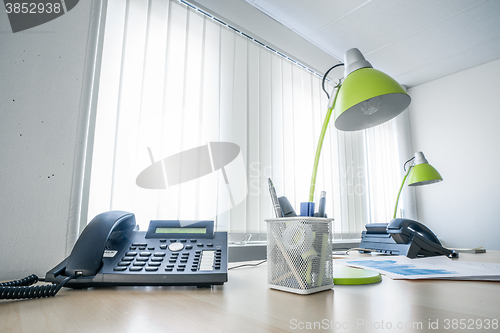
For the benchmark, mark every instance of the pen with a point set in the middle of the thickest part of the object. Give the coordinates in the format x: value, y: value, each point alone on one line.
x: 274, y: 198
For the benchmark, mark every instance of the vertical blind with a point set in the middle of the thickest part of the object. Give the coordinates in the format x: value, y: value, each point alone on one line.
x: 174, y: 78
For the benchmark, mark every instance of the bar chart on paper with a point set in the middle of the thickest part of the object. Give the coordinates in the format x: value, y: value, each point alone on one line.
x: 440, y: 267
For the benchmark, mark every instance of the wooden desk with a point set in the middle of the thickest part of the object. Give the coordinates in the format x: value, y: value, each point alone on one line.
x: 246, y: 304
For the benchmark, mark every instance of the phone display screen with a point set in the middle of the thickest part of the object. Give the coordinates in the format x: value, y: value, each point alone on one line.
x: 163, y: 230
x: 180, y: 229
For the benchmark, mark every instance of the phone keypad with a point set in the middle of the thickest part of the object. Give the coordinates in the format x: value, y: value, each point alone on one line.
x: 174, y: 256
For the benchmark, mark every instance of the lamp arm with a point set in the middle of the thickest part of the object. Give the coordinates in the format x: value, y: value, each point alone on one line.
x: 400, y: 189
x: 320, y: 145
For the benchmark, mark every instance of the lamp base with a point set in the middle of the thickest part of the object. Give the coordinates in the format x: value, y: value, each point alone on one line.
x: 344, y: 275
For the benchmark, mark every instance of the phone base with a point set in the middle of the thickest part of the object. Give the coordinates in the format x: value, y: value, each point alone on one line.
x: 377, y: 238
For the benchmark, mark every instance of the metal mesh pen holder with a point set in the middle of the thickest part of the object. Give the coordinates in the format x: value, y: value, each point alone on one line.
x: 299, y: 254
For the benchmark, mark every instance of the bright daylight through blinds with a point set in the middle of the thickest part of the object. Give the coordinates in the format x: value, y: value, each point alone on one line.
x: 175, y: 80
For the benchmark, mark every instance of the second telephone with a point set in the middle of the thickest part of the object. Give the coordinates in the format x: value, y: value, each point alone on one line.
x: 403, y: 237
x: 111, y: 252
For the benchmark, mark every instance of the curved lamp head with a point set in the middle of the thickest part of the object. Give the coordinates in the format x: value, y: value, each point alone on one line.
x: 422, y: 172
x: 367, y: 97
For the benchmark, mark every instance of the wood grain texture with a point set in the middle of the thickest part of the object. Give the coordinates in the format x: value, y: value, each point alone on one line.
x: 246, y: 304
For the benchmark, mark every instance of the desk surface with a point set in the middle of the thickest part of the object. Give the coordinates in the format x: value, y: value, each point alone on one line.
x: 246, y: 304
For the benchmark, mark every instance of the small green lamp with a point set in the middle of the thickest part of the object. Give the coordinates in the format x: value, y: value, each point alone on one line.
x: 366, y: 98
x: 420, y: 173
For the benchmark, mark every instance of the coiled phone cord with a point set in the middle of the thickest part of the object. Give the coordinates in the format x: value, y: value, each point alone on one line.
x: 22, y: 288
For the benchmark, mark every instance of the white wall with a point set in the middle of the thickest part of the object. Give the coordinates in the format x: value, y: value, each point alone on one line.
x: 43, y: 108
x: 455, y: 121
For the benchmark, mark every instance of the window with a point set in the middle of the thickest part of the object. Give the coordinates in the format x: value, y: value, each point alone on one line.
x: 174, y: 78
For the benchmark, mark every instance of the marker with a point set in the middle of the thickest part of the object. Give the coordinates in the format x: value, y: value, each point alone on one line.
x: 286, y: 207
x: 274, y: 199
x: 322, y: 204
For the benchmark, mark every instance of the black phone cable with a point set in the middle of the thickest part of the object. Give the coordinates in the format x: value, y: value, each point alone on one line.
x: 22, y: 288
x: 324, y: 78
x: 247, y: 265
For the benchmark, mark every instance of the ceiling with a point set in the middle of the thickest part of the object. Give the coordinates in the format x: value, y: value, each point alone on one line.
x: 415, y: 41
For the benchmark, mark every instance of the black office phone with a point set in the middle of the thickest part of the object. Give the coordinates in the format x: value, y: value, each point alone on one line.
x: 112, y: 252
x: 403, y: 237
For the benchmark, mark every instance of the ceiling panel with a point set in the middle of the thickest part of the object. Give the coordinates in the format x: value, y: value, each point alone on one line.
x: 374, y: 26
x: 319, y: 13
x: 445, y: 43
x: 414, y: 41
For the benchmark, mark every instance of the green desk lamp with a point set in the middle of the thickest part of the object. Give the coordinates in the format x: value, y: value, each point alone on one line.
x: 420, y: 172
x: 366, y: 98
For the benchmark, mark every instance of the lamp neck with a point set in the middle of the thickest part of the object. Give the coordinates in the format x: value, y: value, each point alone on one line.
x: 323, y: 131
x: 320, y: 145
x: 400, y: 189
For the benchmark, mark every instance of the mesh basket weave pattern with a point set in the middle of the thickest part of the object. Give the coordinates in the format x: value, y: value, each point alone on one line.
x: 299, y: 254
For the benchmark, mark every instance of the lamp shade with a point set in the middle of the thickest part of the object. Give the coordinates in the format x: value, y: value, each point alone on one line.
x: 368, y: 97
x: 422, y: 172
x: 362, y: 92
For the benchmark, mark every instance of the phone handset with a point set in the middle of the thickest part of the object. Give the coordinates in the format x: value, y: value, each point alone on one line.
x: 403, y: 230
x: 86, y: 257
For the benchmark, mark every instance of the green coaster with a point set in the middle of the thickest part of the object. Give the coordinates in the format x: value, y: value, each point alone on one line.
x: 350, y: 275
